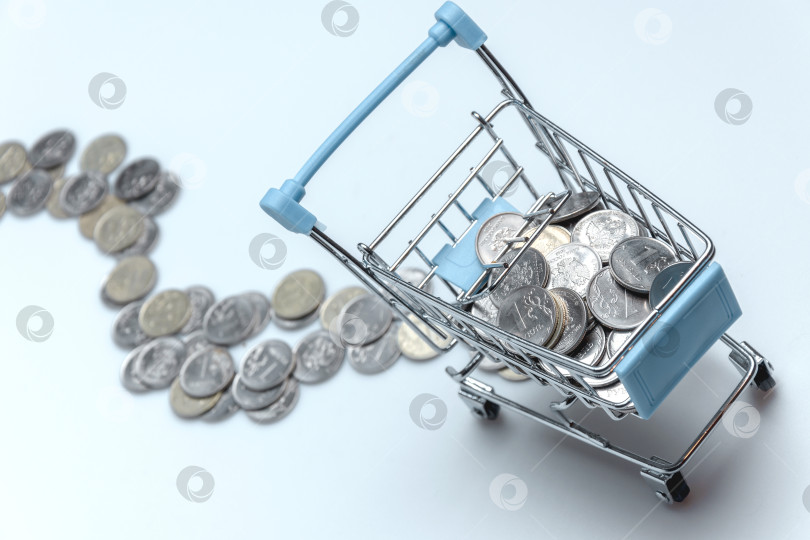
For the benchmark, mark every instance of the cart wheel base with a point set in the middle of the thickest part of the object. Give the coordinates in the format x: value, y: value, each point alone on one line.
x: 763, y: 377
x: 670, y: 488
x: 480, y: 407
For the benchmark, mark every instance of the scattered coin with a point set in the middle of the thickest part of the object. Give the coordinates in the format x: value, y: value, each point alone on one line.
x: 616, y: 340
x: 603, y: 229
x: 127, y: 332
x: 375, y: 357
x: 103, y: 154
x: 415, y: 276
x: 364, y: 319
x: 186, y: 406
x: 52, y: 150
x: 575, y: 322
x: 225, y: 407
x: 130, y: 280
x: 52, y: 204
x: 251, y: 400
x: 317, y: 357
x: 636, y: 261
x: 529, y: 313
x: 511, y: 375
x: 201, y: 299
x: 206, y: 372
x: 161, y: 197
x: 87, y: 222
x: 492, y: 236
x: 267, y: 365
x: 530, y: 269
x: 299, y: 294
x: 279, y: 408
x: 159, y: 362
x: 486, y: 310
x: 613, y: 305
x: 118, y: 228
x: 296, y: 324
x: 414, y: 346
x: 165, y: 313
x: 553, y: 236
x: 127, y: 373
x: 263, y: 313
x: 145, y: 242
x: 83, y: 192
x: 576, y: 205
x: 334, y: 304
x: 137, y: 179
x: 12, y: 161
x: 666, y: 281
x: 2, y: 204
x: 195, y: 342
x: 573, y: 266
x: 30, y: 193
x: 229, y: 321
x: 56, y: 172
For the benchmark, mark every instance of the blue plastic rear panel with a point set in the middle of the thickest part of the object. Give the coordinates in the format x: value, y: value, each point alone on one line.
x: 678, y: 339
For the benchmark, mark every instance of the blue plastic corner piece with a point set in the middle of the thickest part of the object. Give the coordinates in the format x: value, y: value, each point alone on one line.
x: 679, y: 338
x: 467, y: 34
x: 459, y: 264
x: 283, y: 206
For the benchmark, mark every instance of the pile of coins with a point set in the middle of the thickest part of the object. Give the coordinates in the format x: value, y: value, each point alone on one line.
x: 180, y: 339
x: 580, y: 288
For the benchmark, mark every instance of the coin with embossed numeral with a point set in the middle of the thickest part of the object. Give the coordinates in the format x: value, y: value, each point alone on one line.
x: 30, y: 192
x: 613, y: 305
x: 230, y: 320
x: 604, y: 229
x: 160, y: 362
x: 267, y: 365
x: 636, y: 261
x: 317, y: 357
x: 530, y: 269
x: 529, y: 313
x: 83, y: 192
x: 137, y: 179
x: 206, y: 372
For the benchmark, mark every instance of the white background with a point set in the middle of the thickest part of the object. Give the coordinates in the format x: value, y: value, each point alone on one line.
x: 238, y: 95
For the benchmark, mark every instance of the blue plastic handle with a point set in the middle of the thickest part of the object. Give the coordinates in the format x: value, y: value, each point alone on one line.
x: 283, y: 204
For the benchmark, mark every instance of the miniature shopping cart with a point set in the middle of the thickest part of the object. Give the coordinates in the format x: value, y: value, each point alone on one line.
x: 699, y: 308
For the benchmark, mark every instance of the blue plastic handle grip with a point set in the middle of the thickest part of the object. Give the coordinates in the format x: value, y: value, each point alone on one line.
x: 283, y: 204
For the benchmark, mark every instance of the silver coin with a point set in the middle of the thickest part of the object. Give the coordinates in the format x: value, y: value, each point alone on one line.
x: 529, y: 313
x: 229, y: 321
x: 137, y: 179
x: 604, y: 229
x: 617, y: 394
x: 144, y: 243
x: 636, y: 261
x: 267, y: 365
x: 364, y: 320
x: 30, y: 192
x: 616, y: 340
x: 576, y: 205
x: 486, y: 310
x: 263, y: 311
x: 530, y: 269
x: 160, y: 362
x: 608, y: 380
x: 295, y: 324
x: 613, y: 305
x: 298, y: 294
x: 592, y: 348
x: 161, y: 197
x: 251, y: 400
x: 12, y: 161
x: 667, y: 280
x: 490, y: 240
x: 375, y: 357
x: 126, y: 374
x: 195, y: 342
x: 317, y: 357
x: 573, y: 266
x: 226, y: 406
x: 576, y: 320
x: 83, y: 192
x: 201, y: 301
x: 415, y: 276
x: 206, y: 372
x: 126, y: 330
x: 52, y: 150
x: 279, y: 408
x: 104, y: 154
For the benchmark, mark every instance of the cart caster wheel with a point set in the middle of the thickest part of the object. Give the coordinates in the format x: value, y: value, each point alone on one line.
x: 763, y: 378
x: 669, y: 489
x: 480, y: 407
